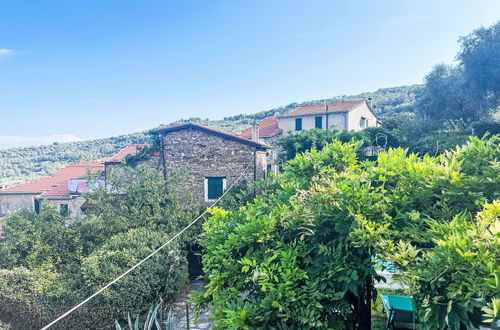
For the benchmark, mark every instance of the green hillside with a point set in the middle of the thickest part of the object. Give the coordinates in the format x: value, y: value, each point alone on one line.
x: 19, y: 165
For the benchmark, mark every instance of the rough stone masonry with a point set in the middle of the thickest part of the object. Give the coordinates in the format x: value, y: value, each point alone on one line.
x: 198, y: 153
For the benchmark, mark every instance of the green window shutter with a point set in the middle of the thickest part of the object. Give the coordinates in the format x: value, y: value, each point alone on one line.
x: 318, y: 122
x: 64, y: 210
x: 37, y: 206
x: 215, y: 187
x: 298, y: 124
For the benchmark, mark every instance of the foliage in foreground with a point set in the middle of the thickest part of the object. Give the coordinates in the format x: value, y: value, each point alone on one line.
x: 301, y: 255
x: 155, y: 319
x: 50, y: 262
x: 456, y: 284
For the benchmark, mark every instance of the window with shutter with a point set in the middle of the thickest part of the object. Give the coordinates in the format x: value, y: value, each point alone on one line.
x: 64, y: 210
x: 318, y: 122
x: 298, y: 124
x: 38, y: 206
x: 214, y: 187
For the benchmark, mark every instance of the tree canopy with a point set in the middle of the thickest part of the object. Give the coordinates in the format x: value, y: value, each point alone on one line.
x: 49, y: 262
x: 302, y: 254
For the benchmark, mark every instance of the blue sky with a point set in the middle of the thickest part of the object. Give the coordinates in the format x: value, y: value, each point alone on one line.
x: 85, y: 69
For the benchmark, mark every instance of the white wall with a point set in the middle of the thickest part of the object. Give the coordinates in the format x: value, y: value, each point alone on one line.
x: 350, y: 121
x: 15, y: 202
x: 354, y: 118
x: 335, y: 120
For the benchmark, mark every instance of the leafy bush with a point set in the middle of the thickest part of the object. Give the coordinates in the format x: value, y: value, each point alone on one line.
x: 294, y: 144
x: 52, y: 262
x: 300, y: 256
x: 162, y: 276
x: 456, y: 280
x: 37, y: 239
x: 483, y: 127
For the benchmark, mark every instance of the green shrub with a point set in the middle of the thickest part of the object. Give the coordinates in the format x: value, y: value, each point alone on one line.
x: 454, y: 282
x: 57, y: 262
x: 36, y: 239
x: 300, y: 256
x: 162, y: 276
x: 294, y: 144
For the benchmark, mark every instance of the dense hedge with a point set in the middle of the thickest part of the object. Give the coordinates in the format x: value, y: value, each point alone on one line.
x: 50, y: 262
x: 300, y: 256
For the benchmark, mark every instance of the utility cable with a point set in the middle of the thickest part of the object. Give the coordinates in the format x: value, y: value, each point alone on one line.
x: 149, y: 256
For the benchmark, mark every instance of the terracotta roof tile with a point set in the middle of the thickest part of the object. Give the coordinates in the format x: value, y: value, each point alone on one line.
x: 57, y: 184
x: 320, y: 108
x: 267, y: 127
x: 131, y: 149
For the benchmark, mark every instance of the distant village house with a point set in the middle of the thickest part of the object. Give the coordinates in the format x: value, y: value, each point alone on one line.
x: 63, y: 189
x: 351, y: 116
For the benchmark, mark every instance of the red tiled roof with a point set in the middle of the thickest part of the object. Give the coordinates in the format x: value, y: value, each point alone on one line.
x: 57, y: 184
x: 131, y: 149
x: 320, y: 108
x: 212, y: 131
x: 267, y: 127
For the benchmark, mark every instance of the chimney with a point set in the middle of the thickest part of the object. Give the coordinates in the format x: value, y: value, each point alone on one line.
x: 326, y: 115
x: 369, y: 102
x: 255, y: 132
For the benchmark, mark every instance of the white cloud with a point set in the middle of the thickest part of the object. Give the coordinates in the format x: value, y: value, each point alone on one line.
x: 4, y: 52
x: 7, y: 141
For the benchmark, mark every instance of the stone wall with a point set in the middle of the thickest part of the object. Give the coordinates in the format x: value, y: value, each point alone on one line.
x: 197, y: 155
x: 74, y: 205
x: 10, y: 203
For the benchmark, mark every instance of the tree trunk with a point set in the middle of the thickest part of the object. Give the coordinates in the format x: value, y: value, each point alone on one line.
x: 363, y: 311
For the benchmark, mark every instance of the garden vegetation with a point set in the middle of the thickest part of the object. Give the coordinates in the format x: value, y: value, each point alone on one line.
x: 50, y: 263
x: 302, y: 255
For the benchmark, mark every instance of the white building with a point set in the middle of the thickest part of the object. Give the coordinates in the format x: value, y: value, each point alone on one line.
x: 351, y: 116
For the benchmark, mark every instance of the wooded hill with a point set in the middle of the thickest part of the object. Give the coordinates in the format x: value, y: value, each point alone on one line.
x: 19, y: 165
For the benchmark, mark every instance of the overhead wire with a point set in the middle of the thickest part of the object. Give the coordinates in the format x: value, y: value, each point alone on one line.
x: 83, y: 302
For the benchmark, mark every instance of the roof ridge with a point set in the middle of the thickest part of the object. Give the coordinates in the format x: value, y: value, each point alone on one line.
x: 212, y: 130
x: 318, y: 108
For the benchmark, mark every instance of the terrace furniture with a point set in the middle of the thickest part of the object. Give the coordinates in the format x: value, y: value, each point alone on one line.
x: 399, y: 310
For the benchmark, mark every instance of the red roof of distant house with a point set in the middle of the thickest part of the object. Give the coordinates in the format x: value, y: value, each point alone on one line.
x: 320, y: 108
x: 57, y: 184
x: 131, y: 149
x: 267, y: 127
x: 212, y: 131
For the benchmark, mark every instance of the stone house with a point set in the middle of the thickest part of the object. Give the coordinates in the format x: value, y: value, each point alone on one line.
x: 351, y: 116
x: 209, y: 160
